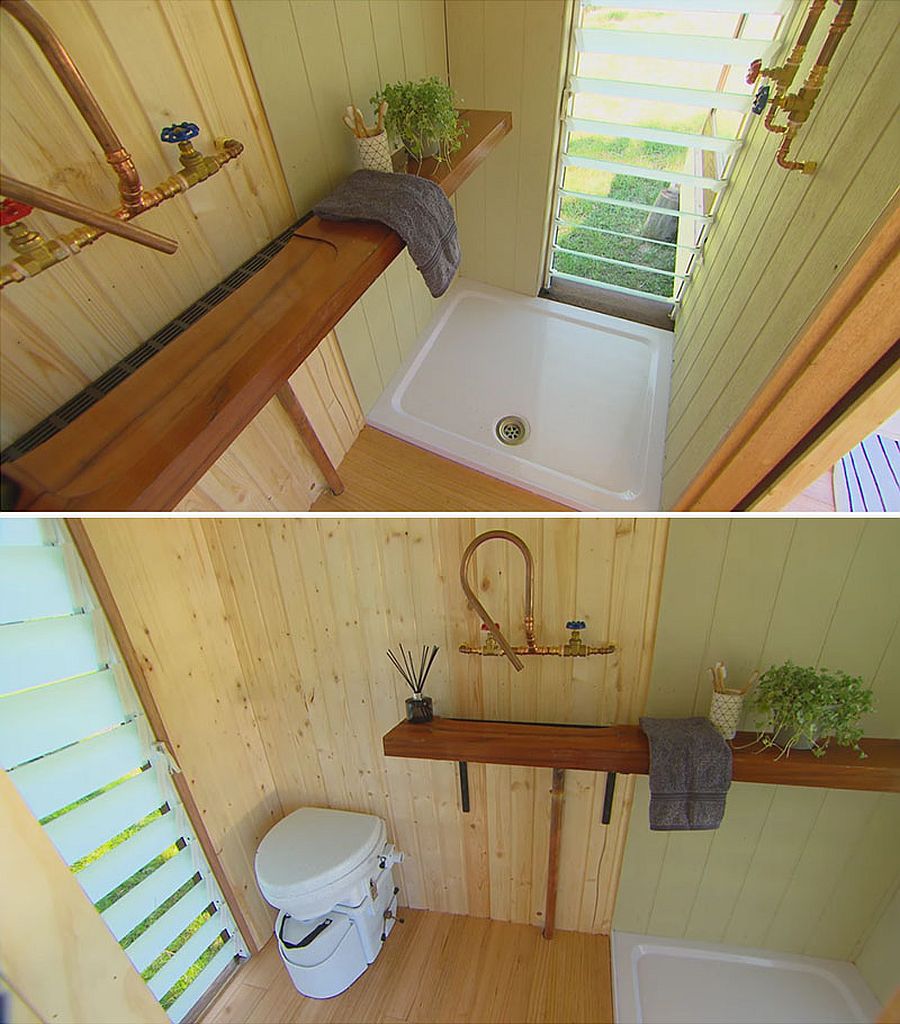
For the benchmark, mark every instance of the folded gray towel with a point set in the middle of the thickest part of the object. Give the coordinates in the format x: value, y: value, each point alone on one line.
x: 414, y: 207
x: 690, y: 772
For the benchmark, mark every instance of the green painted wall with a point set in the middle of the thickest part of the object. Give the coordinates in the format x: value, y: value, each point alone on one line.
x: 781, y: 238
x: 508, y: 55
x: 799, y: 870
x: 879, y: 954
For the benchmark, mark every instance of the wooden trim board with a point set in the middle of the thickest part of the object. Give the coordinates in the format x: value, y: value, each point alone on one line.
x: 143, y: 446
x: 625, y: 749
x: 855, y: 326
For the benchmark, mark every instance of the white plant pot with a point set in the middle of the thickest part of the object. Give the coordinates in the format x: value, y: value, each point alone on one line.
x: 375, y: 153
x: 725, y: 712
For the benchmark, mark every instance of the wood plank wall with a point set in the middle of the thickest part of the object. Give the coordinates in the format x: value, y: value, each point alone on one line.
x: 56, y: 952
x: 509, y: 55
x: 148, y: 64
x: 264, y: 643
x: 782, y: 238
x: 804, y: 871
x: 311, y: 58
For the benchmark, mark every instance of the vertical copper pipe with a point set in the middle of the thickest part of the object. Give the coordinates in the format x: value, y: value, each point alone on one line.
x: 556, y: 808
x: 130, y: 188
x: 289, y: 402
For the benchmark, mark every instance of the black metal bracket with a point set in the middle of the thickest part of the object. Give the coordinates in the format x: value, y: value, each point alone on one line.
x: 464, y: 785
x: 608, y: 797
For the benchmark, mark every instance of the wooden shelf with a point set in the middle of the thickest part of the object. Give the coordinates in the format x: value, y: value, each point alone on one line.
x: 145, y: 444
x: 624, y: 749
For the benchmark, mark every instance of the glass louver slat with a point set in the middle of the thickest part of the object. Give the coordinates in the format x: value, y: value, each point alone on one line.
x: 613, y: 167
x: 629, y: 131
x: 662, y: 93
x: 139, y: 902
x: 46, y: 651
x: 59, y: 779
x: 87, y: 827
x: 714, y: 6
x: 39, y: 721
x: 188, y: 999
x: 702, y: 49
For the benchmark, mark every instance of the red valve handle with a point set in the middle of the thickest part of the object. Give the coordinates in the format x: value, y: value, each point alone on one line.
x: 11, y: 211
x: 753, y: 72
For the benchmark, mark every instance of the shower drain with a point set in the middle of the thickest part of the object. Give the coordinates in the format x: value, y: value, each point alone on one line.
x: 511, y: 430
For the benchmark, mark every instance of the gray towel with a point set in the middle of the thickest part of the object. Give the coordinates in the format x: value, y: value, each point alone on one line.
x: 414, y: 207
x: 690, y: 772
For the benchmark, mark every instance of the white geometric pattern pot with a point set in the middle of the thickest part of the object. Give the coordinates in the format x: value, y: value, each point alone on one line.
x: 374, y: 153
x: 725, y: 712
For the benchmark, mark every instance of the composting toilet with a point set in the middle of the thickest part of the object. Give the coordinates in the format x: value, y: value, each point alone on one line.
x: 330, y: 875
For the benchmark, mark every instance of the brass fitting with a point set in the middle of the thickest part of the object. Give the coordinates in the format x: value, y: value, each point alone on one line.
x: 35, y: 253
x: 41, y: 254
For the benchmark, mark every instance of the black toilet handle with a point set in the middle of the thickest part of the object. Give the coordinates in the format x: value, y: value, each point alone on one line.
x: 307, y: 939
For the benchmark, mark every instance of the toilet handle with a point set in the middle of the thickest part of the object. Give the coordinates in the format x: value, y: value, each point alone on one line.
x: 307, y: 939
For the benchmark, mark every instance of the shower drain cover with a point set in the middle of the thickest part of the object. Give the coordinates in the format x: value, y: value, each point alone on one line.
x: 511, y: 430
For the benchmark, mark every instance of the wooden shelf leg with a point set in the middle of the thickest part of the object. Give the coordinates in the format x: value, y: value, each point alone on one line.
x: 290, y: 404
x: 556, y: 805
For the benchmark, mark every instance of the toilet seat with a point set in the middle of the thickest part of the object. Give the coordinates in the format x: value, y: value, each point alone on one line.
x: 317, y: 857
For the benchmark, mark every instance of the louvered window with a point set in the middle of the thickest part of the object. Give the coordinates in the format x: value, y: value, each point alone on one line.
x: 77, y: 745
x: 654, y: 115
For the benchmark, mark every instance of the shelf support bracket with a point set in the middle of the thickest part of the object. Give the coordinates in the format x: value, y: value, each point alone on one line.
x: 464, y: 785
x: 608, y: 795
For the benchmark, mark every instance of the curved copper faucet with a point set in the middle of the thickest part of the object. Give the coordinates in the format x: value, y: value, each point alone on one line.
x: 529, y: 592
x: 574, y: 648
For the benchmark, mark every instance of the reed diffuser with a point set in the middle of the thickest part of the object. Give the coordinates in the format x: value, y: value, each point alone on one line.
x: 419, y: 708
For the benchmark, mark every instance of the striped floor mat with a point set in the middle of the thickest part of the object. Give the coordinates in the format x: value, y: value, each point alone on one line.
x: 867, y: 479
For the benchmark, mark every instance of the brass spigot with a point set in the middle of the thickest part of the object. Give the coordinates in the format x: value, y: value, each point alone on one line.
x: 34, y: 252
x: 490, y: 646
x: 575, y: 648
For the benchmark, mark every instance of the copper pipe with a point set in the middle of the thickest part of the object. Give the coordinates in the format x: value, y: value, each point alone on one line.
x: 556, y: 809
x: 558, y: 651
x: 130, y: 188
x: 529, y: 593
x: 73, y: 242
x: 52, y: 203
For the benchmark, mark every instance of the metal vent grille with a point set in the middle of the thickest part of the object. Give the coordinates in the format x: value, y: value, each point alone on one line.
x: 69, y: 411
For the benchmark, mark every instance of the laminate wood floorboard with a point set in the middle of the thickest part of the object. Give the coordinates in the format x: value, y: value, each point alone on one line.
x: 440, y: 968
x: 383, y: 474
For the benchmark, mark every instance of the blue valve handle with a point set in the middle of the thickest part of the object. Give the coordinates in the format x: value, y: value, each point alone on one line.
x: 180, y: 132
x: 575, y: 624
x: 761, y: 100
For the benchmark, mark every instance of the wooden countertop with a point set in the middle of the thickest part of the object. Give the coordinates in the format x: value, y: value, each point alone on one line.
x: 145, y: 444
x: 624, y: 748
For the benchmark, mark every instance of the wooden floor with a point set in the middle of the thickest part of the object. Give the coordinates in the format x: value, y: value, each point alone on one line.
x: 440, y: 967
x: 818, y: 497
x: 382, y: 474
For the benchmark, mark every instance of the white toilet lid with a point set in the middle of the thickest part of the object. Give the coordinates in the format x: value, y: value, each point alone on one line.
x: 314, y: 847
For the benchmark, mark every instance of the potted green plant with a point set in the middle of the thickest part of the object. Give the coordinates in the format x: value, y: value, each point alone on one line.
x: 807, y: 708
x: 422, y: 116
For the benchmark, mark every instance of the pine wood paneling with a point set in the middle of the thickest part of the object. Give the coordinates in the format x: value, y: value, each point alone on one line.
x: 509, y: 55
x: 781, y: 239
x: 330, y: 53
x: 48, y: 920
x: 264, y: 641
x: 791, y: 869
